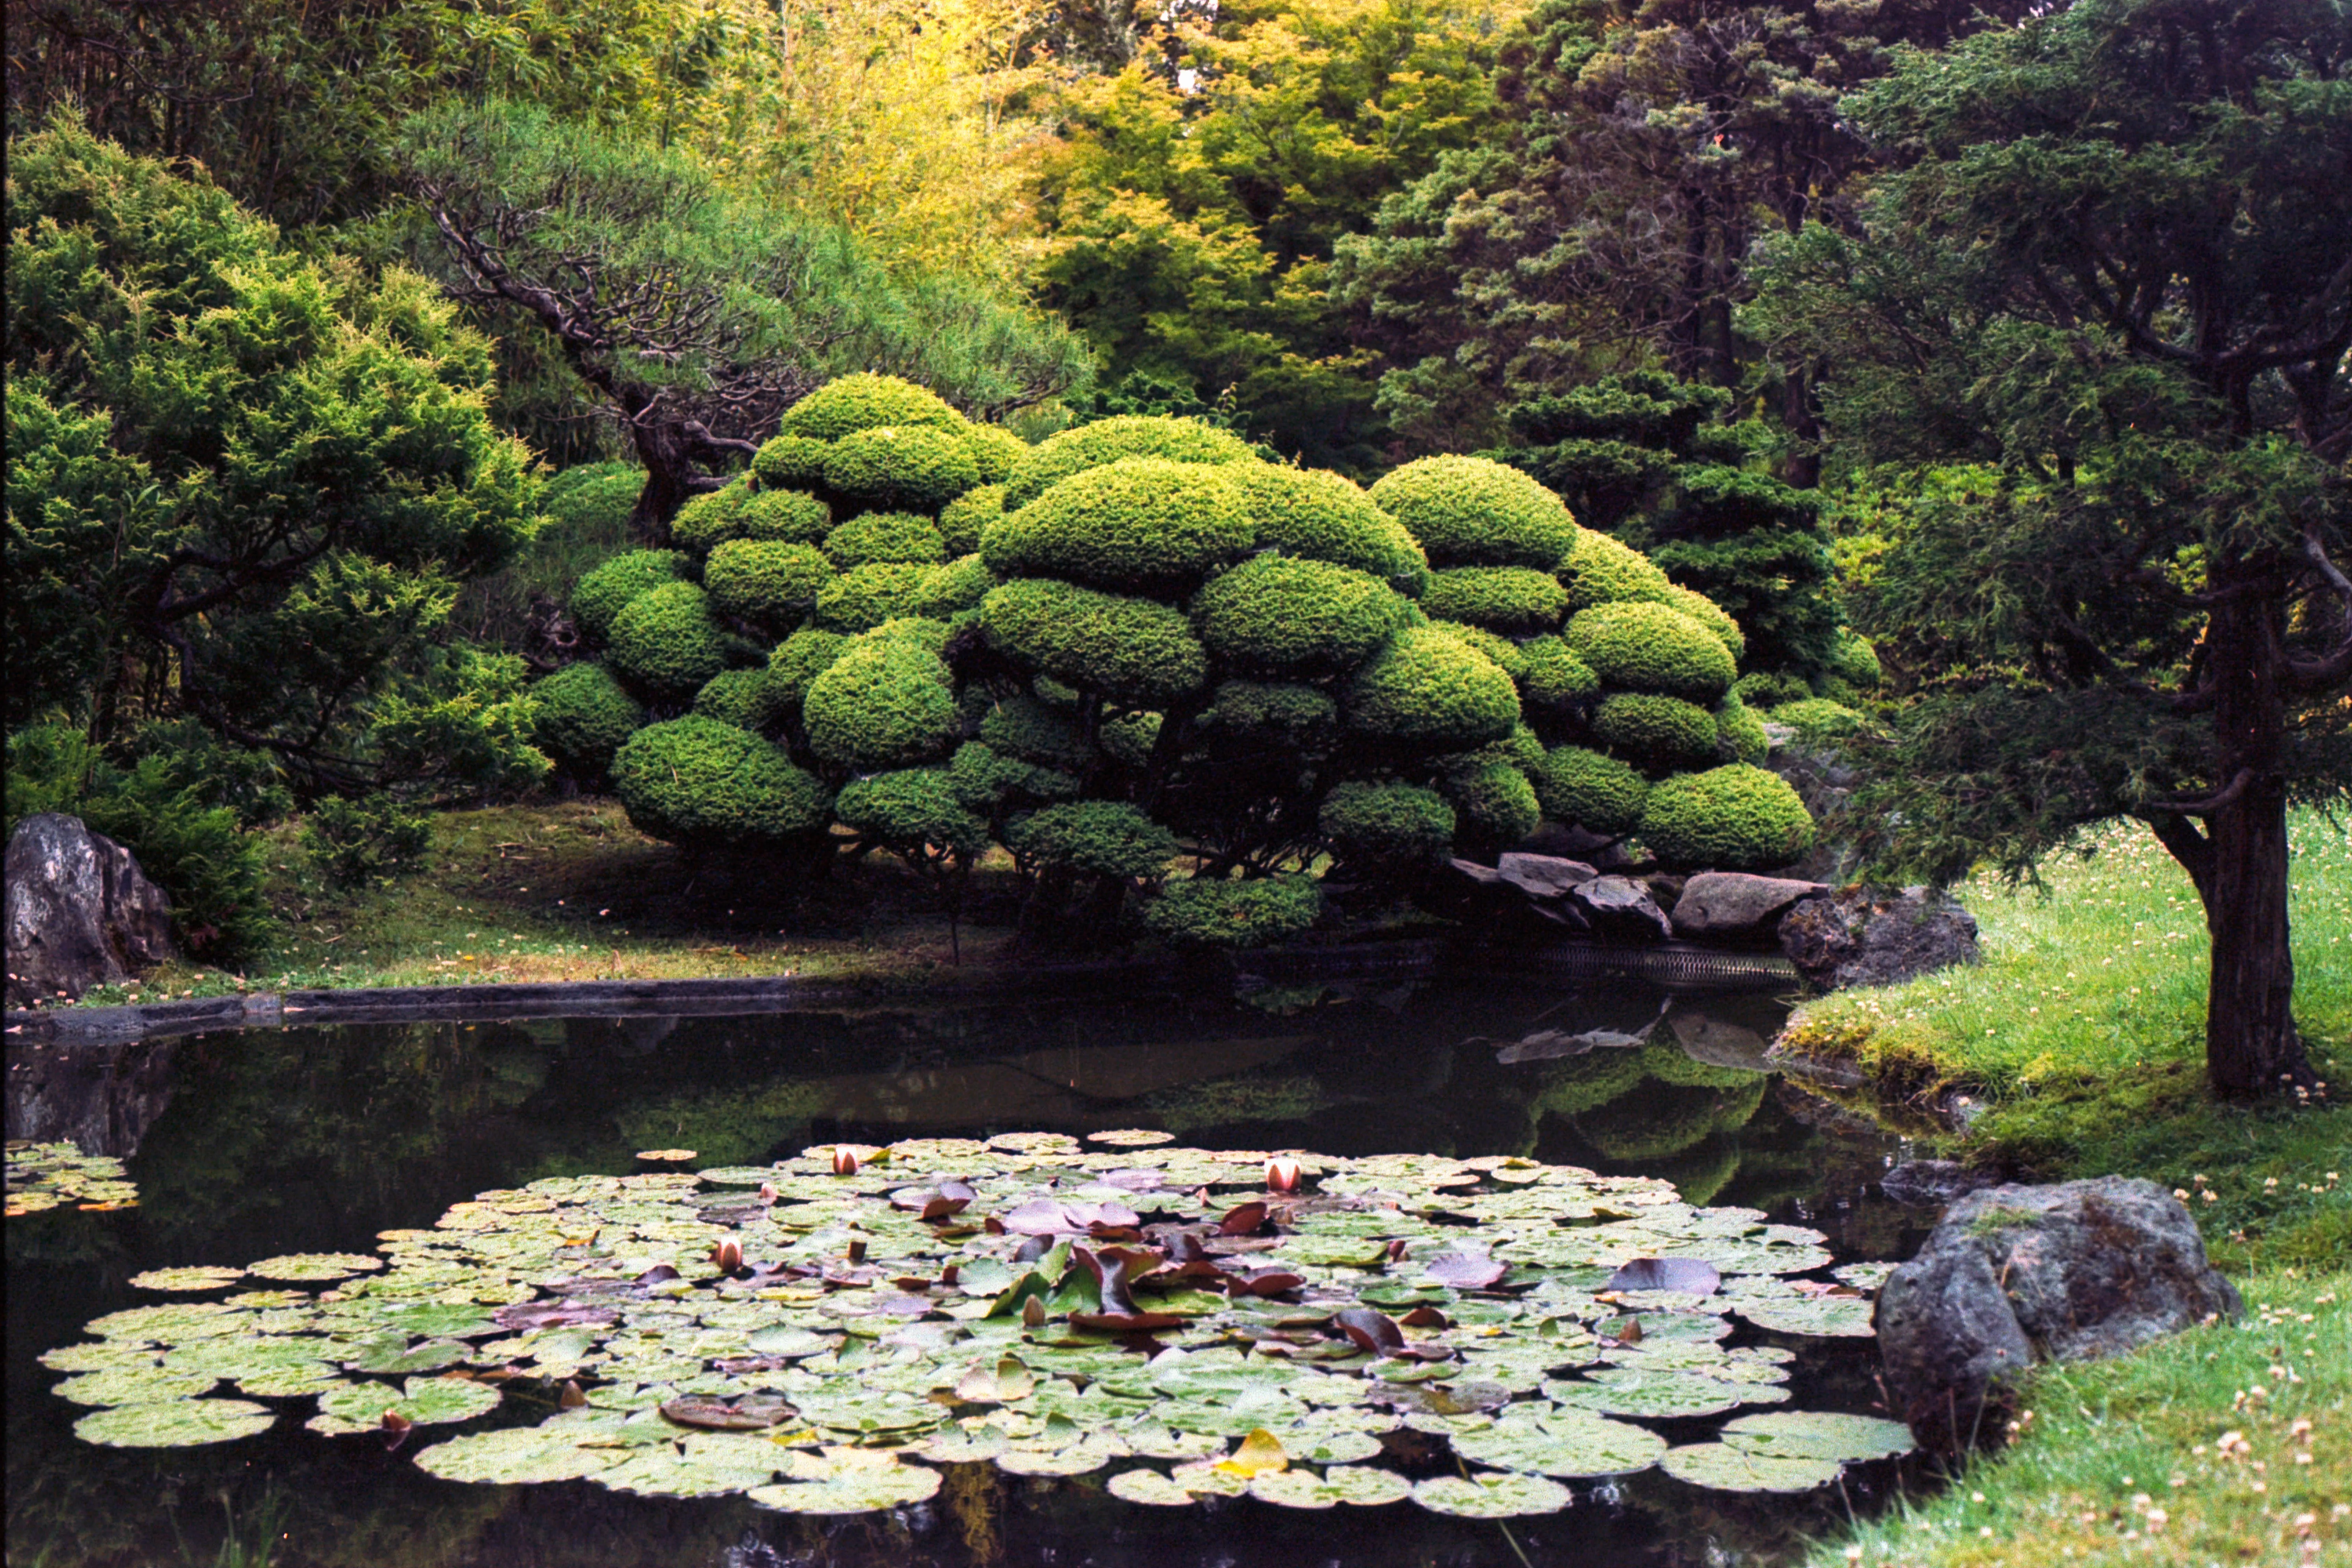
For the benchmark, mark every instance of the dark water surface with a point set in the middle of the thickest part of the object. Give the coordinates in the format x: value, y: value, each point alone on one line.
x: 313, y: 1139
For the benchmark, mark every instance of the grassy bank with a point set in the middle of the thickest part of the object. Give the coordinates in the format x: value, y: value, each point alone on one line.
x: 2078, y: 1047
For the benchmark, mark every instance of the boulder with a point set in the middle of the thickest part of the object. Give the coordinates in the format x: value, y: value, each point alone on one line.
x: 1732, y: 905
x: 2013, y: 1274
x: 1866, y: 935
x: 1621, y: 910
x: 1542, y: 875
x: 79, y: 912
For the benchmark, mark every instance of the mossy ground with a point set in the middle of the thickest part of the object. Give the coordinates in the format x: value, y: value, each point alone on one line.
x: 2079, y: 1042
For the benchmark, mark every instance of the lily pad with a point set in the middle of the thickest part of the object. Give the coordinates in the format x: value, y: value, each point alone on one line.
x: 1562, y: 1442
x: 423, y: 1401
x: 316, y: 1265
x: 186, y: 1279
x: 49, y: 1175
x: 1818, y: 1434
x: 1340, y: 1483
x: 1130, y: 1138
x: 1149, y: 1487
x: 860, y: 1490
x: 1660, y: 1395
x: 1494, y: 1496
x: 176, y: 1423
x: 134, y: 1386
x: 1726, y: 1468
x: 549, y: 1452
x: 1847, y: 1317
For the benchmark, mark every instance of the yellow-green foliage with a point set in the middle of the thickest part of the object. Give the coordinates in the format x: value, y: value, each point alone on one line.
x: 747, y: 698
x: 582, y: 716
x: 765, y: 580
x: 1661, y: 734
x: 1097, y: 837
x: 1498, y: 805
x: 1500, y: 598
x: 1278, y: 614
x: 1585, y: 1083
x: 1199, y: 912
x: 1472, y: 511
x: 1739, y: 734
x: 1509, y: 654
x: 1554, y: 680
x: 1710, y: 614
x: 1731, y: 818
x: 1764, y: 688
x: 739, y: 511
x: 1598, y: 792
x: 995, y: 451
x: 865, y: 596
x: 909, y: 810
x: 790, y: 462
x: 799, y: 659
x: 986, y: 780
x: 1818, y: 718
x: 1387, y: 822
x: 1652, y: 647
x: 958, y: 584
x: 599, y: 595
x: 1426, y: 688
x: 901, y: 466
x: 885, y: 536
x: 1854, y: 661
x: 1132, y: 650
x: 1072, y: 451
x: 698, y: 782
x: 1138, y: 525
x: 1598, y: 570
x: 885, y: 703
x: 962, y: 520
x: 865, y: 402
x: 666, y: 643
x: 1279, y: 712
x: 1327, y: 517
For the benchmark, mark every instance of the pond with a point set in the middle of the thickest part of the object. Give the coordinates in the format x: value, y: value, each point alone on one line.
x: 302, y: 1140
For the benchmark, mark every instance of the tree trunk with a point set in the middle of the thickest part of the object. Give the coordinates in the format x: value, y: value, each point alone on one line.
x: 667, y: 473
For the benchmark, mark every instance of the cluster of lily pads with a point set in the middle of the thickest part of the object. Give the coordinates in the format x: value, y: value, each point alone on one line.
x: 46, y: 1176
x: 823, y: 1334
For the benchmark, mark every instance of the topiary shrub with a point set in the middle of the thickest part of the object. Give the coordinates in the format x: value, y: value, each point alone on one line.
x: 747, y: 698
x: 799, y: 659
x: 666, y: 642
x: 1131, y: 650
x: 739, y: 511
x: 1129, y: 738
x: 599, y: 595
x: 1140, y: 525
x: 959, y: 585
x: 1739, y: 734
x: 1074, y: 451
x: 865, y: 402
x: 1652, y: 647
x: 697, y: 782
x: 1326, y: 517
x: 1553, y: 679
x: 1500, y: 598
x: 1426, y: 688
x: 1394, y: 824
x: 1277, y: 615
x: 1661, y: 732
x: 910, y: 810
x: 995, y: 451
x: 1296, y: 717
x: 1036, y: 732
x: 1204, y: 912
x: 962, y: 520
x: 1498, y: 805
x: 1817, y: 719
x: 986, y: 780
x: 791, y: 463
x: 865, y: 596
x: 1598, y: 570
x: 1854, y: 661
x: 1493, y: 645
x: 930, y: 636
x: 582, y: 716
x: 886, y: 702
x: 1098, y: 838
x: 1770, y: 688
x: 1597, y: 793
x: 1733, y: 818
x: 765, y: 580
x: 901, y: 467
x: 1709, y: 613
x: 1469, y: 511
x: 885, y: 536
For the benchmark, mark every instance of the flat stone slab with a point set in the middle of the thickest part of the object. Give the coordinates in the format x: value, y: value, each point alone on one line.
x: 1543, y: 876
x: 1733, y: 905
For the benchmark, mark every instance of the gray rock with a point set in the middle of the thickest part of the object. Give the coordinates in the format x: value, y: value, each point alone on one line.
x: 79, y: 912
x: 1868, y: 935
x: 1730, y: 1031
x: 2013, y: 1274
x: 1932, y: 1184
x: 1732, y: 905
x: 1485, y: 875
x: 1542, y: 875
x: 1620, y: 909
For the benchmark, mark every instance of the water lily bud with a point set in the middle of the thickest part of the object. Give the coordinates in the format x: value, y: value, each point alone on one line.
x: 844, y: 1160
x: 768, y: 1193
x: 1281, y: 1176
x: 727, y: 1255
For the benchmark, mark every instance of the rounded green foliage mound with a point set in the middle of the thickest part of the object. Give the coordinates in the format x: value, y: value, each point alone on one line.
x: 1470, y: 512
x: 1854, y: 661
x: 593, y: 497
x: 1598, y: 570
x: 1735, y: 818
x: 666, y: 642
x: 986, y: 780
x: 747, y: 698
x: 1278, y: 614
x: 1555, y: 679
x: 739, y: 511
x: 1199, y: 912
x: 926, y: 632
x: 1770, y: 688
x: 1132, y: 650
x: 865, y: 402
x: 865, y: 596
x: 909, y: 809
x: 1068, y: 452
x: 791, y: 462
x: 885, y: 536
x: 885, y: 703
x: 583, y: 715
x: 1426, y: 688
x: 1818, y: 719
x: 959, y: 585
x: 1739, y: 733
x: 1651, y: 648
x: 962, y: 518
x: 1709, y: 613
x: 1395, y: 823
x: 1661, y: 732
x: 1327, y: 517
x: 599, y: 595
x: 1597, y: 793
x: 799, y: 659
x: 1036, y: 732
x: 1493, y: 645
x: 697, y: 781
x: 901, y: 466
x: 765, y: 579
x: 1277, y: 712
x: 1129, y: 737
x: 1500, y: 598
x: 995, y: 451
x: 1498, y: 805
x: 1097, y: 837
x: 1141, y: 524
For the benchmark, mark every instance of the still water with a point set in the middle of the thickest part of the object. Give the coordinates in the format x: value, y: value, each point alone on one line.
x: 313, y: 1139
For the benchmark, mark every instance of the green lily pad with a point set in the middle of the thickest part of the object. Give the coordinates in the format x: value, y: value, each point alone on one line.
x: 1726, y: 1469
x: 393, y: 1355
x: 1208, y: 1478
x: 1499, y: 1496
x: 1816, y: 1434
x: 98, y: 1355
x: 1863, y: 1276
x: 133, y: 1386
x: 170, y: 1323
x: 289, y: 1381
x: 1660, y: 1395
x: 860, y: 1490
x: 1075, y: 1460
x: 186, y: 1279
x: 316, y: 1265
x: 176, y: 1423
x: 1340, y: 1483
x: 662, y: 1470
x: 1562, y: 1442
x: 361, y: 1406
x: 49, y: 1175
x: 1831, y: 1316
x: 1149, y: 1487
x: 1328, y: 1448
x: 548, y: 1452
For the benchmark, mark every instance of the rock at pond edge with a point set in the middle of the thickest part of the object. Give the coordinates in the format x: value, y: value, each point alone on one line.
x: 80, y: 912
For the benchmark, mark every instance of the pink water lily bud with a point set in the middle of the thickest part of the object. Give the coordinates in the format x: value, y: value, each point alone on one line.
x: 1281, y: 1174
x: 844, y: 1160
x: 767, y: 1192
x: 727, y: 1255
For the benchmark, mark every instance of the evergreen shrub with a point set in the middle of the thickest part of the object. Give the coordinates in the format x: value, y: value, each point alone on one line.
x: 901, y: 467
x: 1500, y: 598
x: 1731, y: 818
x: 1327, y: 517
x: 765, y: 580
x: 1131, y: 650
x: 1853, y: 660
x: 849, y: 404
x: 1097, y: 837
x: 582, y: 716
x: 1661, y: 732
x: 790, y: 462
x: 747, y: 698
x: 1427, y: 688
x: 1598, y: 570
x: 909, y: 809
x: 865, y: 596
x: 1036, y: 732
x: 885, y: 536
x: 1553, y: 679
x: 1511, y: 656
x: 1652, y: 647
x: 995, y: 451
x: 1280, y: 713
x: 799, y: 659
x: 1141, y: 524
x: 885, y: 703
x: 1739, y: 734
x: 1276, y: 615
x: 1596, y: 791
x: 1395, y: 823
x: 599, y: 595
x: 962, y: 520
x: 697, y: 781
x: 986, y: 780
x: 1074, y: 451
x: 666, y: 643
x: 1498, y: 805
x: 1817, y: 719
x: 1470, y: 512
x: 960, y: 584
x: 1198, y: 912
